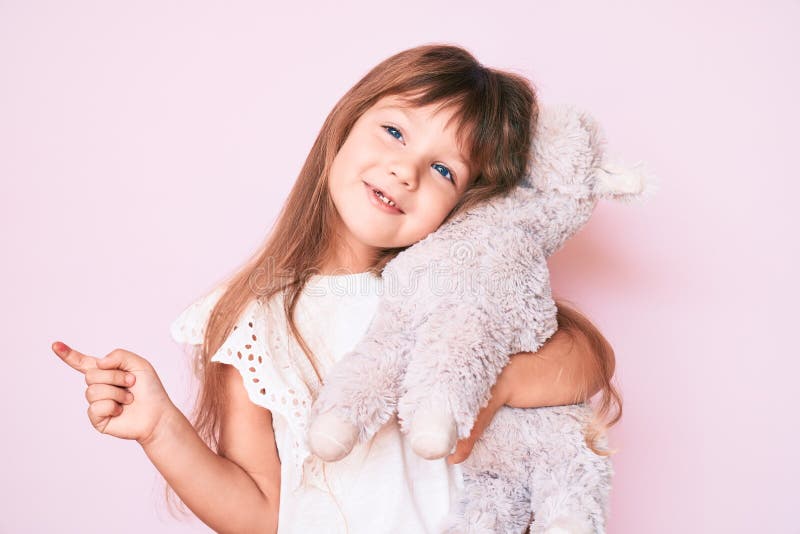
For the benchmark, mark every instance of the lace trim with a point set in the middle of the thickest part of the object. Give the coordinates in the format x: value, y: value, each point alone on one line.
x: 261, y: 349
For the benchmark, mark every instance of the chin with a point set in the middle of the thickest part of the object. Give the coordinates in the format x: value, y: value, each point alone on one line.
x: 381, y: 243
x: 377, y: 242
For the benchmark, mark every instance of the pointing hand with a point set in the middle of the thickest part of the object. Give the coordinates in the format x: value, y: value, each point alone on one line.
x: 126, y: 397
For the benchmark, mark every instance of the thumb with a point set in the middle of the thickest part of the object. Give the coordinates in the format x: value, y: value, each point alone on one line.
x: 464, y: 446
x: 117, y: 359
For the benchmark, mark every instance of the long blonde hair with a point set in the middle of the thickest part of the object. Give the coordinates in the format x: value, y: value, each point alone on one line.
x: 497, y: 113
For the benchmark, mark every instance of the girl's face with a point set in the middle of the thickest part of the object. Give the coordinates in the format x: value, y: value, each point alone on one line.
x: 410, y: 156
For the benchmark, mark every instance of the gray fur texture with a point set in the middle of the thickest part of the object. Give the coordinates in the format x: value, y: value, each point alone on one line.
x: 455, y: 306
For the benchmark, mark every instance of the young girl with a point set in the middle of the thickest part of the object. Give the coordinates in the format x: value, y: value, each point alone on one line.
x: 427, y: 133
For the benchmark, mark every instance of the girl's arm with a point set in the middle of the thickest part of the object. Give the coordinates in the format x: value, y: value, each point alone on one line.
x: 237, y: 490
x: 554, y: 375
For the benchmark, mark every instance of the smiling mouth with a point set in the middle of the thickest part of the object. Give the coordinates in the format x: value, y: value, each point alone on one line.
x: 383, y: 197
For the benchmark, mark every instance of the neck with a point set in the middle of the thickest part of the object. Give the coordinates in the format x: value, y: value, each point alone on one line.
x: 345, y: 260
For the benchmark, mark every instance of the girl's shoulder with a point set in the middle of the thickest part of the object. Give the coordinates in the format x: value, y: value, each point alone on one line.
x: 189, y: 327
x: 322, y: 290
x: 255, y: 345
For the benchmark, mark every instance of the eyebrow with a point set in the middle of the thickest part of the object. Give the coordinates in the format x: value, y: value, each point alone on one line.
x: 460, y: 157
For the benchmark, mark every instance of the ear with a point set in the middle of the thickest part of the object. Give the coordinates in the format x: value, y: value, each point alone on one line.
x: 625, y: 183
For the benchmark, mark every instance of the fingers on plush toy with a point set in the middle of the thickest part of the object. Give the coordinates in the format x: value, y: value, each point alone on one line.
x: 455, y: 306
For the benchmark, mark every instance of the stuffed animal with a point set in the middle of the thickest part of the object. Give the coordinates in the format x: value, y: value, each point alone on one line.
x: 455, y: 306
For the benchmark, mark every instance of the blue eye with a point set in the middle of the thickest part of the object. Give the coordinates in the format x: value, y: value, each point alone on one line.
x: 447, y: 174
x: 389, y: 128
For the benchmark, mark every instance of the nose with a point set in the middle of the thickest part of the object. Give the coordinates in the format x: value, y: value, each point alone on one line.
x: 405, y: 170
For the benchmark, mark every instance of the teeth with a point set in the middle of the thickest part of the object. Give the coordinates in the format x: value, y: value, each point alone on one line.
x: 383, y: 198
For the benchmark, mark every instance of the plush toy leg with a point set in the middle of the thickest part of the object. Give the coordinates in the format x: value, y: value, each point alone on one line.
x: 490, y: 505
x: 433, y: 432
x: 330, y: 437
x: 444, y: 384
x: 361, y: 391
x: 566, y: 508
x: 359, y: 396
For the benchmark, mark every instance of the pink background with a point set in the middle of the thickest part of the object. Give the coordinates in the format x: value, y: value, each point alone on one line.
x: 145, y: 148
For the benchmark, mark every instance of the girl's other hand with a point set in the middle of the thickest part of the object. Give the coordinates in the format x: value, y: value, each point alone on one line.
x: 126, y: 397
x: 464, y: 446
x: 552, y: 376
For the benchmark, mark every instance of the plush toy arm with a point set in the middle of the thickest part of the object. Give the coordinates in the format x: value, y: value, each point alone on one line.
x: 466, y: 341
x: 360, y: 392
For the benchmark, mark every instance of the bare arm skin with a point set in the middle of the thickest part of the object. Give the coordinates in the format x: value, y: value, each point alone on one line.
x: 552, y: 376
x: 234, y: 491
x: 237, y: 490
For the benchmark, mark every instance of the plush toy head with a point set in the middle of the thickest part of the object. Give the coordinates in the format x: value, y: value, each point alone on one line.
x: 458, y: 303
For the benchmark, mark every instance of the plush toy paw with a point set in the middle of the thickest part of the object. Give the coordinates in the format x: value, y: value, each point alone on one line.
x: 330, y: 438
x: 432, y: 433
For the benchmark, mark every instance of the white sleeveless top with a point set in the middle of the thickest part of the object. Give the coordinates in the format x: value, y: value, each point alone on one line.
x: 382, y: 486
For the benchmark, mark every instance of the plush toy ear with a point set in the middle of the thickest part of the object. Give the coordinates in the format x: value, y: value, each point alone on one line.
x: 625, y: 183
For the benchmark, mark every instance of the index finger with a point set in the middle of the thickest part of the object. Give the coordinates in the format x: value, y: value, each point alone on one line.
x: 73, y: 358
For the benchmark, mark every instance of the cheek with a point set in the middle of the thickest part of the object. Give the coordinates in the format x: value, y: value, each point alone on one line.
x: 352, y: 153
x: 434, y: 212
x: 343, y: 162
